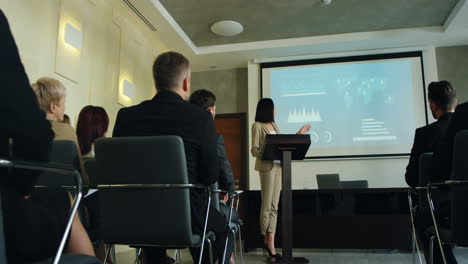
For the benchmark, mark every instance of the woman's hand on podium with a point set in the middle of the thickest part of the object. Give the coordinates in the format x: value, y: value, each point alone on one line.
x: 304, y: 129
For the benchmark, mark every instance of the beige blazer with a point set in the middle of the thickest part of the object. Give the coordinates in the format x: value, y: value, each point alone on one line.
x: 259, y: 132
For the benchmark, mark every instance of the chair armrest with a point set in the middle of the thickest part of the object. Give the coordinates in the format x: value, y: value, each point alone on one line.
x: 238, y: 192
x: 44, y: 167
x: 444, y: 186
x: 54, y: 169
x: 417, y: 189
x: 456, y: 182
x: 149, y: 186
x: 231, y: 194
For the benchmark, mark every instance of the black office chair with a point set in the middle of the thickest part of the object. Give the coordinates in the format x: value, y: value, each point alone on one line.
x: 457, y: 233
x: 234, y: 226
x: 64, y: 152
x: 328, y: 181
x: 144, y: 194
x: 60, y: 171
x: 424, y: 172
x: 90, y: 166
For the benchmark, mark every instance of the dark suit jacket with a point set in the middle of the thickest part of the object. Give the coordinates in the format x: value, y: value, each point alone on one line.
x: 444, y: 152
x: 226, y: 178
x: 426, y: 139
x: 168, y: 114
x: 20, y: 113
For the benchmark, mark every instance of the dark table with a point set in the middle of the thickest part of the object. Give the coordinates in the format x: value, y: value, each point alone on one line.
x: 374, y: 218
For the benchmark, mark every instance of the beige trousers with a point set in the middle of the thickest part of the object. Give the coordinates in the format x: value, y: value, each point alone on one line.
x: 270, y: 182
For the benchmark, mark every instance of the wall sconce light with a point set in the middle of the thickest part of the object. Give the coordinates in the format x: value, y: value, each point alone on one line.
x: 128, y: 89
x: 73, y: 36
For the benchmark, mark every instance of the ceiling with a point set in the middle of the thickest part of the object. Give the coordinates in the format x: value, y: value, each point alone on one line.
x: 293, y: 28
x: 281, y: 19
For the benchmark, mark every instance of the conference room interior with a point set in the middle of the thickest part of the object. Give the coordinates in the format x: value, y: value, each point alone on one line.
x: 356, y: 71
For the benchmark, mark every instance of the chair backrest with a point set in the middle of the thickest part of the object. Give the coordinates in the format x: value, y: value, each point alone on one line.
x: 91, y: 168
x: 460, y: 195
x: 425, y: 168
x: 64, y: 152
x: 359, y: 184
x: 143, y: 216
x: 328, y: 181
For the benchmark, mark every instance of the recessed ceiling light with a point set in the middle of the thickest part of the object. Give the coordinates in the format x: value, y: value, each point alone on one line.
x: 227, y: 28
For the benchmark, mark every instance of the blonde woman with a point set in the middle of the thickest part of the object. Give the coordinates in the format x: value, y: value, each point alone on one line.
x: 51, y: 95
x: 270, y: 172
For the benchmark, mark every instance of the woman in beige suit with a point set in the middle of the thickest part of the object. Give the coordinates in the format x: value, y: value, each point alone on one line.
x: 270, y: 172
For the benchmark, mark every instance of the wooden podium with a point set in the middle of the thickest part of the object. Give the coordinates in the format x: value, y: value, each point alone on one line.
x: 286, y: 148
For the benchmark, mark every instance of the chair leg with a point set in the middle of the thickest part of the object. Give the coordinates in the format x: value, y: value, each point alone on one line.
x: 431, y: 250
x: 210, y: 251
x: 108, y: 250
x: 204, y: 230
x: 413, y: 246
x: 431, y: 206
x: 241, y: 246
x: 175, y: 255
x: 71, y: 217
x: 226, y: 243
x: 137, y: 260
x: 416, y: 248
x: 113, y: 258
x: 235, y: 246
x: 415, y: 241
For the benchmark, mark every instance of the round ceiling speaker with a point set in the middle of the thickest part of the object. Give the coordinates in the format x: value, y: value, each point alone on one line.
x: 227, y: 28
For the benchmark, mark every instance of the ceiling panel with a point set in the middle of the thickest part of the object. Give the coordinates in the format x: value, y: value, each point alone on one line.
x: 280, y: 19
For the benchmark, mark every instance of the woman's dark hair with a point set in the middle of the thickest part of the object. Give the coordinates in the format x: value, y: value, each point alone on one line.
x: 265, y: 109
x: 92, y: 124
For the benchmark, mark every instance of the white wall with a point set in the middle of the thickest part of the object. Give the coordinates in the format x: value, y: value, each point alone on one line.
x: 383, y: 172
x: 116, y: 43
x: 452, y: 65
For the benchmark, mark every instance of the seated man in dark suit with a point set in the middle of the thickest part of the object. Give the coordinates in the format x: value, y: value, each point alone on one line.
x: 443, y: 155
x: 206, y: 100
x: 442, y: 101
x: 169, y: 113
x: 442, y: 171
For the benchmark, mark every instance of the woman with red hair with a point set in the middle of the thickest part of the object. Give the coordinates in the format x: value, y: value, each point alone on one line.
x: 92, y: 124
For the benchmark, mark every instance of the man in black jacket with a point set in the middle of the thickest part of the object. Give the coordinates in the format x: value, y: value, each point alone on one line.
x: 442, y: 99
x: 206, y: 100
x: 442, y: 102
x: 443, y: 155
x: 169, y: 113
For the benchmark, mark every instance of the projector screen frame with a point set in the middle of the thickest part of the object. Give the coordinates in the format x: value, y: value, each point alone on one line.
x: 367, y: 57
